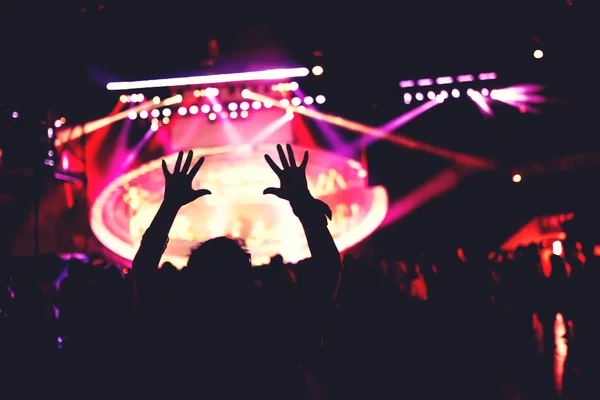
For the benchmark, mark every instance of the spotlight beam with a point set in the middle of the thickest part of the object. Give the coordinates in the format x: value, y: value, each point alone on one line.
x: 66, y: 135
x: 266, y: 75
x: 457, y: 157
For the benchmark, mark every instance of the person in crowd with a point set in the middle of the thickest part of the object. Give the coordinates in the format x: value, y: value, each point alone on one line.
x: 232, y: 339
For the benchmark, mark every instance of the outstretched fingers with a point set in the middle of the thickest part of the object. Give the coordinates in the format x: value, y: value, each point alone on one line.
x: 178, y: 163
x: 196, y: 167
x: 272, y: 164
x: 304, y: 160
x: 165, y: 169
x: 188, y: 162
x: 284, y: 161
x: 291, y: 156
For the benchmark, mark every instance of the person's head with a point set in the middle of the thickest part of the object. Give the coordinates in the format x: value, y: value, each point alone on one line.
x: 221, y: 261
x: 558, y: 267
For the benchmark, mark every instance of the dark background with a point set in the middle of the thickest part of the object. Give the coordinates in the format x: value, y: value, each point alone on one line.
x: 61, y: 55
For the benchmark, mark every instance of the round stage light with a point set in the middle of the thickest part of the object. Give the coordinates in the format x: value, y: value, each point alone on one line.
x: 237, y: 176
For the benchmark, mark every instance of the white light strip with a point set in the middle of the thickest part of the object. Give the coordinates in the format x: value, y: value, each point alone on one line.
x: 270, y: 74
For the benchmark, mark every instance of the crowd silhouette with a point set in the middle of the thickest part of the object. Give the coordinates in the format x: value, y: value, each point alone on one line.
x: 390, y: 324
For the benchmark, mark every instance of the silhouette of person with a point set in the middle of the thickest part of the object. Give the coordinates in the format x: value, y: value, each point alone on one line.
x: 226, y: 338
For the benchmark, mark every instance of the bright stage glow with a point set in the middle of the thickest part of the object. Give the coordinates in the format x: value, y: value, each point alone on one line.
x: 236, y: 177
x: 266, y: 75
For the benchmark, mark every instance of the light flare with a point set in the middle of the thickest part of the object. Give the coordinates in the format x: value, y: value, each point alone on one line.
x: 460, y: 158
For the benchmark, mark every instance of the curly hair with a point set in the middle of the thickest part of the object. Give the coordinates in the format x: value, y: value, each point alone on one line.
x: 221, y: 255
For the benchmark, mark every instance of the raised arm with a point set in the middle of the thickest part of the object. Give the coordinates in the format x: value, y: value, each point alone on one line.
x: 313, y: 215
x: 178, y: 192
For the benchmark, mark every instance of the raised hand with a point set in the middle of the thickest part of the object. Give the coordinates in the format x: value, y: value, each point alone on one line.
x: 178, y: 184
x: 292, y: 178
x: 293, y: 186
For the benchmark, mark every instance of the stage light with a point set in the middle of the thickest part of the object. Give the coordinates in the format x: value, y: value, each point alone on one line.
x: 15, y: 114
x: 317, y: 70
x: 224, y: 115
x: 271, y: 74
x: 143, y: 114
x: 255, y: 104
x: 407, y: 98
x: 516, y: 178
x: 308, y: 100
x: 439, y: 99
x: 289, y: 115
x: 212, y: 116
x: 294, y: 86
x: 166, y: 112
x: 320, y: 99
x: 431, y: 95
x: 156, y: 100
x: 244, y: 114
x: 455, y: 93
x: 182, y: 111
x: 268, y: 104
x: 197, y: 93
x: 233, y: 114
x: 57, y: 123
x: 538, y: 54
x: 123, y: 99
x: 132, y: 115
x: 154, y: 121
x: 211, y: 92
x: 232, y: 106
x: 444, y: 80
x: 407, y: 84
x: 205, y: 108
x: 557, y: 248
x: 425, y: 82
x: 296, y: 101
x: 484, y: 92
x: 194, y: 110
x: 419, y: 96
x: 487, y: 76
x: 65, y: 161
x: 50, y: 133
x: 465, y: 78
x: 154, y: 127
x: 166, y: 120
x: 155, y: 113
x: 444, y: 94
x: 284, y: 102
x: 217, y: 108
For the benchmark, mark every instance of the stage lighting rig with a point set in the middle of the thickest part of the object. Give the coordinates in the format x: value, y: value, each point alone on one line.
x: 429, y: 88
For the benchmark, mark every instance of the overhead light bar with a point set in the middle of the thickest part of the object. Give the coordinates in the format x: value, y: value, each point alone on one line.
x: 445, y: 80
x: 269, y: 74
